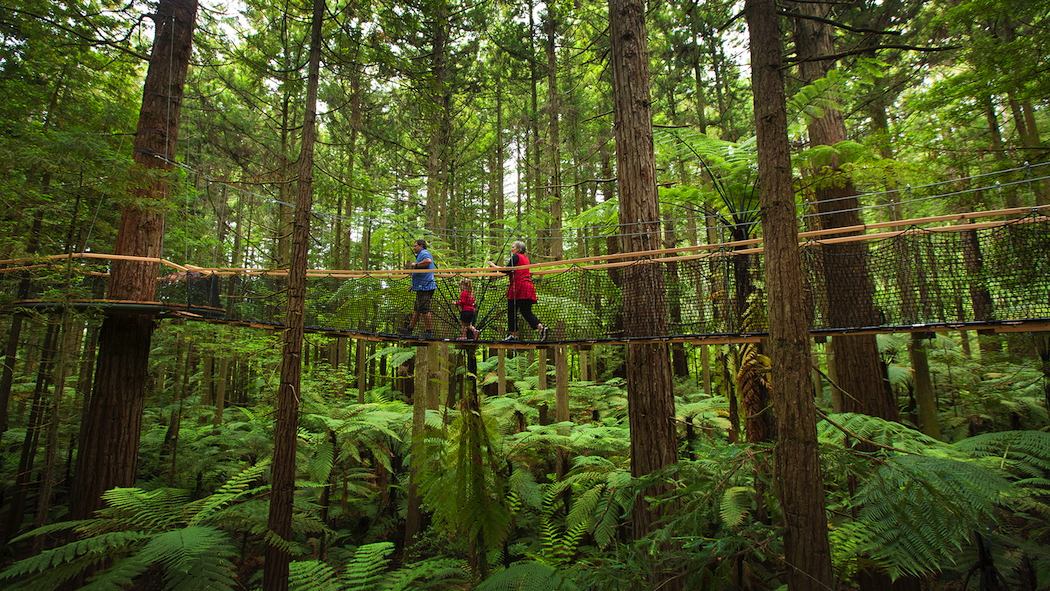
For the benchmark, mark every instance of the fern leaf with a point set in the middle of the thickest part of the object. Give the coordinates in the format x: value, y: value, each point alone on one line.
x: 119, y: 576
x: 918, y: 510
x: 736, y: 502
x: 443, y: 572
x: 364, y: 570
x: 528, y: 576
x: 102, y: 545
x: 233, y: 489
x: 312, y: 575
x: 195, y: 557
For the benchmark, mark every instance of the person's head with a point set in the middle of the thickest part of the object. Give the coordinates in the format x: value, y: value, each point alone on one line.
x: 419, y: 245
x: 518, y: 246
x: 466, y: 284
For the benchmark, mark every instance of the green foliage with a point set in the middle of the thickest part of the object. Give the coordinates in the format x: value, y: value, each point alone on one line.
x: 368, y: 570
x: 139, y: 529
x: 459, y: 477
x: 527, y: 576
x: 917, y: 512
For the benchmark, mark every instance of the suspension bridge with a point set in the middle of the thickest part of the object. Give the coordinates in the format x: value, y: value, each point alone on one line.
x: 972, y: 271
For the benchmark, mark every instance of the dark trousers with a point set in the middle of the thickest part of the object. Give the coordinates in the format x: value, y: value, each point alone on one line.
x: 523, y: 306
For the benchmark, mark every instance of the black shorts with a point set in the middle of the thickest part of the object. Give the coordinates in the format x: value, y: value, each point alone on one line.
x: 423, y: 301
x: 467, y: 316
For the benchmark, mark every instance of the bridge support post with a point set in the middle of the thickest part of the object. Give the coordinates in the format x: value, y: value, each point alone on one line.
x: 501, y: 371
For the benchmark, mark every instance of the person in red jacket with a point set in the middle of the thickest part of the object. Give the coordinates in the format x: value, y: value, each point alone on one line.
x: 521, y: 294
x: 466, y: 309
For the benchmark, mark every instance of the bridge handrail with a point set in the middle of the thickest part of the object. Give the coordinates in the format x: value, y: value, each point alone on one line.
x: 613, y: 260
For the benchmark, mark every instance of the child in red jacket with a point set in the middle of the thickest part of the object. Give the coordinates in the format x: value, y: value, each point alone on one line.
x: 466, y: 309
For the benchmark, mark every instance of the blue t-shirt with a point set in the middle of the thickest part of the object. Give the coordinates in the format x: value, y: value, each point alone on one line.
x: 424, y: 281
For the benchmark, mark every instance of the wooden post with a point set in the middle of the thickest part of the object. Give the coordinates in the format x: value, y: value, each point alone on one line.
x: 501, y: 371
x: 561, y: 402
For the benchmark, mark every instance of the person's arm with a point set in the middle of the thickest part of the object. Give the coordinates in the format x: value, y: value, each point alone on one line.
x: 423, y: 264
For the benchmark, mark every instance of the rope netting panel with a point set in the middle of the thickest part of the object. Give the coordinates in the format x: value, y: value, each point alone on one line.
x: 979, y: 275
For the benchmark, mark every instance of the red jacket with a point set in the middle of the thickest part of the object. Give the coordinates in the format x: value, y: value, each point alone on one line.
x: 521, y: 287
x: 466, y: 301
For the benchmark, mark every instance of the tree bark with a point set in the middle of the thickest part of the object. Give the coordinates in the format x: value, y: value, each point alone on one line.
x: 275, y: 574
x: 800, y: 486
x: 650, y: 387
x: 850, y: 289
x: 414, y: 514
x: 924, y: 387
x: 112, y: 420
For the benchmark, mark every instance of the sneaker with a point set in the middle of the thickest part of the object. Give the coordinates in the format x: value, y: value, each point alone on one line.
x: 543, y: 333
x: 404, y: 331
x: 461, y: 339
x: 509, y: 338
x: 427, y: 334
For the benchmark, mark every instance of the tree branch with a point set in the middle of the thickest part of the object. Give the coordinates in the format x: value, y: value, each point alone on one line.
x: 863, y: 50
x: 91, y: 40
x: 834, y: 23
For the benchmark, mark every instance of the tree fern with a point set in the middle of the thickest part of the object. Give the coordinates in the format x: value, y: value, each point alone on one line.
x: 139, y: 529
x: 1025, y: 453
x: 917, y: 511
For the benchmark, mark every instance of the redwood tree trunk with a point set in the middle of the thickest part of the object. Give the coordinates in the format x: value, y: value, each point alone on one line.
x: 800, y: 487
x: 112, y: 420
x: 650, y: 387
x: 282, y: 484
x: 850, y: 289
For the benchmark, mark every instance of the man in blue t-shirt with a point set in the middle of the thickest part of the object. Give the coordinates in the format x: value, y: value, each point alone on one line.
x: 424, y: 285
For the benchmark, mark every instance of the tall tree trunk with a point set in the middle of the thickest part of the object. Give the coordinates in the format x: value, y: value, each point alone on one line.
x: 13, y: 336
x: 554, y: 112
x: 650, y: 386
x: 112, y: 420
x: 800, y: 487
x: 846, y: 265
x: 33, y: 426
x: 924, y: 387
x: 275, y: 575
x: 67, y: 342
x: 437, y: 155
x: 414, y: 514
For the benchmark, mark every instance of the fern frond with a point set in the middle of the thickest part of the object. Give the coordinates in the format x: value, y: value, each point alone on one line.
x: 364, y: 571
x: 441, y: 572
x: 135, y: 508
x: 881, y: 431
x: 917, y: 510
x: 312, y: 575
x: 527, y: 576
x: 194, y: 557
x: 1022, y: 452
x: 51, y: 528
x: 119, y: 576
x: 735, y: 505
x: 102, y: 546
x: 203, y: 510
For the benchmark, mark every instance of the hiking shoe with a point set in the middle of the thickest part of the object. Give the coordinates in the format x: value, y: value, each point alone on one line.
x: 404, y: 331
x: 543, y: 333
x: 509, y: 338
x: 427, y: 334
